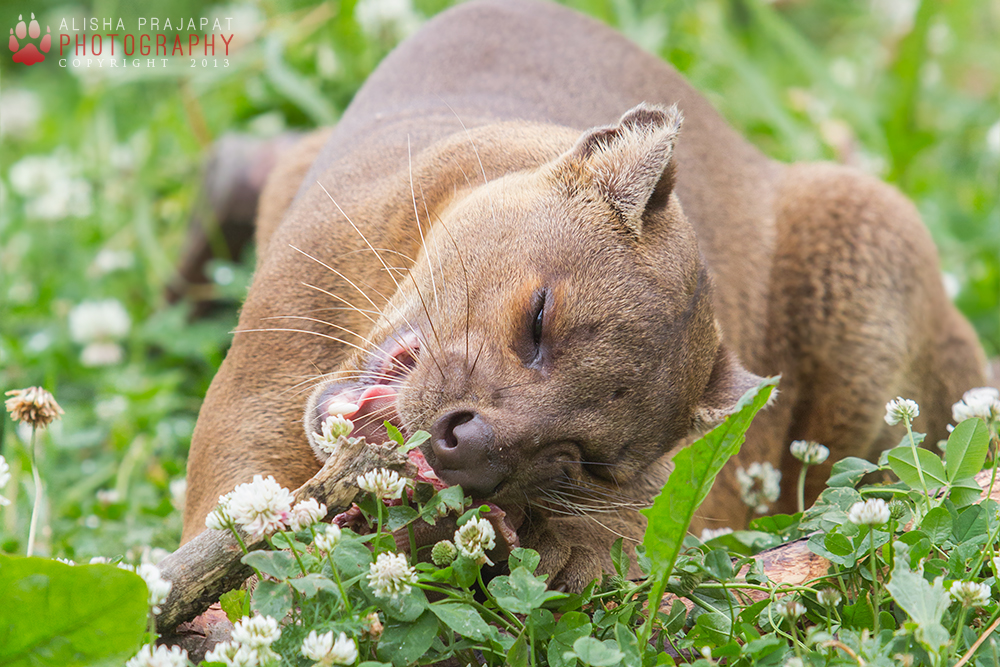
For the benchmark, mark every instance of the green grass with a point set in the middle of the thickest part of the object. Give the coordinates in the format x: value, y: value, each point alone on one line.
x: 913, y: 101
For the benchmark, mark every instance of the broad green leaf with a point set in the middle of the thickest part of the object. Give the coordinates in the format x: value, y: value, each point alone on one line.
x: 937, y: 524
x: 561, y: 655
x: 466, y: 571
x: 719, y: 564
x: 859, y: 615
x: 714, y: 626
x: 901, y: 462
x: 596, y: 653
x: 352, y: 558
x: 311, y: 584
x: 448, y: 499
x: 405, y: 643
x: 272, y: 598
x: 278, y: 564
x: 926, y: 603
x: 629, y: 645
x: 236, y: 604
x: 65, y: 615
x: 849, y: 471
x: 695, y: 469
x: 966, y: 450
x: 461, y: 618
x: 572, y: 626
x: 404, y: 607
x: 542, y: 622
x: 417, y: 439
x: 620, y: 558
x: 519, y: 652
x: 521, y: 591
x: 526, y: 558
x: 970, y: 526
x: 393, y: 433
x: 844, y: 554
x: 883, y: 459
x: 399, y: 516
x: 965, y: 492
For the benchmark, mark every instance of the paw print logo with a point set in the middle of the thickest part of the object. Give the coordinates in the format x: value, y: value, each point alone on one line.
x: 24, y: 51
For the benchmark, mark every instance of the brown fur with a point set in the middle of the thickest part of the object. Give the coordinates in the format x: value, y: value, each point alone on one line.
x: 672, y: 264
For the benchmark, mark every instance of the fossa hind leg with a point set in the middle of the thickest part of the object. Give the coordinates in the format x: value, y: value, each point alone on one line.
x: 857, y: 289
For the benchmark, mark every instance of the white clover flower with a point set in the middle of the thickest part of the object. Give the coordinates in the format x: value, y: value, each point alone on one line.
x: 221, y: 518
x: 996, y: 567
x: 872, y: 512
x: 102, y: 560
x: 970, y: 593
x: 109, y: 261
x: 66, y: 561
x: 334, y: 427
x: 317, y: 647
x: 383, y: 484
x: 391, y: 575
x: 257, y: 632
x: 232, y: 654
x: 327, y: 540
x: 390, y: 20
x: 983, y: 402
x: 901, y: 410
x: 828, y: 597
x: 809, y: 452
x: 760, y: 484
x: 158, y: 587
x: 97, y: 354
x: 325, y: 651
x: 99, y: 321
x: 306, y: 513
x: 474, y: 539
x: 4, y: 478
x: 261, y: 506
x: 20, y: 110
x: 791, y: 608
x: 159, y: 656
x: 712, y: 533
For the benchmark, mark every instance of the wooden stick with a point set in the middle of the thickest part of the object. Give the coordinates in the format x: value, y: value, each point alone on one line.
x: 209, y: 565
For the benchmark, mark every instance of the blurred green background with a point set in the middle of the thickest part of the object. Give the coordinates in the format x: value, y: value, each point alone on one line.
x: 100, y: 170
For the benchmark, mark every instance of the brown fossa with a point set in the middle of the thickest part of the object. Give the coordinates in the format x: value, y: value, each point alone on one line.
x: 540, y: 244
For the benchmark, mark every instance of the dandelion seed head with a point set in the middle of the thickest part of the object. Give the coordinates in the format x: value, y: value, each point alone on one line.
x: 33, y: 406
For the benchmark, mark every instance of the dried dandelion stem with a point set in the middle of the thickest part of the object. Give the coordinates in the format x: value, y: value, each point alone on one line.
x: 37, y: 408
x: 36, y: 508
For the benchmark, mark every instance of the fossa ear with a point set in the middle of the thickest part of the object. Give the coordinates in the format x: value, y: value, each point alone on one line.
x: 630, y: 164
x: 726, y: 385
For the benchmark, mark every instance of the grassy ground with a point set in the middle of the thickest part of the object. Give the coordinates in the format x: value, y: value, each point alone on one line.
x: 99, y: 171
